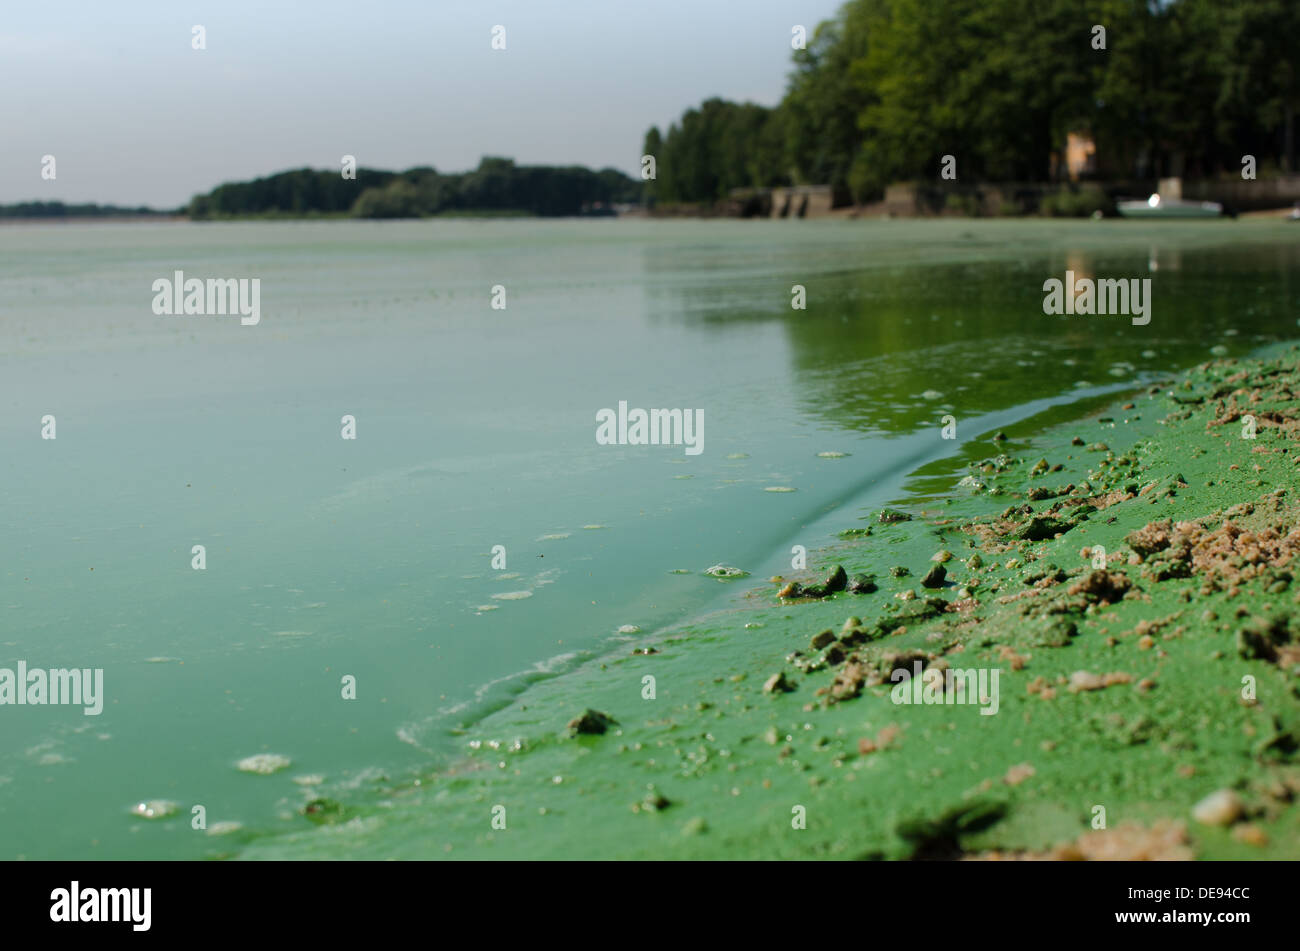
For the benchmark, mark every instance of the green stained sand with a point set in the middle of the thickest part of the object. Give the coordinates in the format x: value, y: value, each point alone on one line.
x: 1164, y: 681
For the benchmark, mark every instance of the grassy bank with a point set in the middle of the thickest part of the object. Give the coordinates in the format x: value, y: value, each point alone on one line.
x: 1147, y: 708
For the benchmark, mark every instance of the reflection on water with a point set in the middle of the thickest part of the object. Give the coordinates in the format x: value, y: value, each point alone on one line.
x: 884, y: 348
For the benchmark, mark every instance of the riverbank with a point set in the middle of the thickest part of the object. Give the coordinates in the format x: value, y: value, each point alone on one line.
x: 1145, y: 709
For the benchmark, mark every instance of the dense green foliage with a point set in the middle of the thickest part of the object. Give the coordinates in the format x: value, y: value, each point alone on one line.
x: 497, y: 185
x: 297, y: 192
x: 889, y: 87
x: 57, y: 209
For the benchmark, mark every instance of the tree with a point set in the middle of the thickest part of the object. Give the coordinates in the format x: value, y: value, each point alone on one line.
x: 887, y: 88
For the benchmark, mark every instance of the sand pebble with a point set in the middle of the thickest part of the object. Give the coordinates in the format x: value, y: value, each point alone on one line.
x: 1218, y: 808
x: 1085, y: 680
x: 1250, y: 833
x: 1018, y: 774
x: 512, y: 595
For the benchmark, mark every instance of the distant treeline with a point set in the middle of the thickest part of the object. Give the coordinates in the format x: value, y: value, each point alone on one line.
x: 889, y: 87
x: 57, y: 209
x: 498, y: 185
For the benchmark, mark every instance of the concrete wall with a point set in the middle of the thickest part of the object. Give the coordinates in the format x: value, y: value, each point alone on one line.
x: 912, y: 199
x: 1247, y: 195
x: 925, y: 199
x: 801, y: 201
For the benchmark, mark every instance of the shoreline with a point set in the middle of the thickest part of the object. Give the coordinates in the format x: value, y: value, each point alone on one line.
x: 847, y: 213
x: 1117, y: 690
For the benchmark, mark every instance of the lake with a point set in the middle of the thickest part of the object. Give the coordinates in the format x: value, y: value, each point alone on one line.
x: 475, y: 537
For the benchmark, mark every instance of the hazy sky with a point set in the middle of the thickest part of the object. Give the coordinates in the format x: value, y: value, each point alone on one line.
x: 134, y: 115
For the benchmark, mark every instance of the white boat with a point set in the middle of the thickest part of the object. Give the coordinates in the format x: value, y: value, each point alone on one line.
x: 1157, y: 207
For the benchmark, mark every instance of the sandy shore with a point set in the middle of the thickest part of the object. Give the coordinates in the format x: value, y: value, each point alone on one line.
x: 1128, y: 576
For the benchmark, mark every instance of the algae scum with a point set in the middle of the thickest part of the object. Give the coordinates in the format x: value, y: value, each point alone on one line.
x: 375, y: 559
x: 1129, y: 578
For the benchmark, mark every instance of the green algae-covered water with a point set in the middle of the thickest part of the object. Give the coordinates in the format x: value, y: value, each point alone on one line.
x: 373, y: 561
